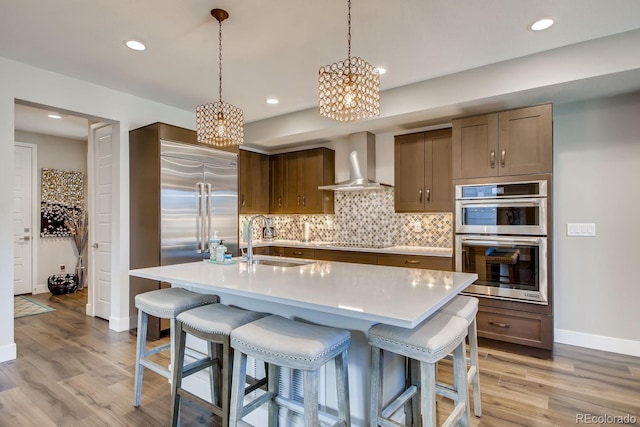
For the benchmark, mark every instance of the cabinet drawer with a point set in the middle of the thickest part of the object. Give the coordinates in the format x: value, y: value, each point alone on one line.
x: 415, y: 261
x: 262, y: 250
x: 299, y: 253
x: 346, y: 256
x: 529, y: 329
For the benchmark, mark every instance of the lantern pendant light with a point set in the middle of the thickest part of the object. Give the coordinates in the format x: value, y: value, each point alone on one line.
x: 219, y: 123
x: 349, y: 90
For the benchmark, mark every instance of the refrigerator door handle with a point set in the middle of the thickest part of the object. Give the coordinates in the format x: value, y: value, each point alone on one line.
x: 200, y: 225
x: 208, y: 217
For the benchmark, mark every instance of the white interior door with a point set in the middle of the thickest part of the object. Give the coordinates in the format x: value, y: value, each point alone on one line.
x: 23, y: 219
x: 101, y: 202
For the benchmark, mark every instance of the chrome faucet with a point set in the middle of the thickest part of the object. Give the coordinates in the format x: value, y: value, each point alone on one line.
x: 250, y: 238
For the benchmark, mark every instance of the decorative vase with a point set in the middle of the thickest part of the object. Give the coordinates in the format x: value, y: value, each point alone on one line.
x: 80, y: 272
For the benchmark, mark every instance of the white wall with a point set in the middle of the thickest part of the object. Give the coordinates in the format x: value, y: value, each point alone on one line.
x: 23, y: 82
x: 596, y: 173
x: 54, y: 153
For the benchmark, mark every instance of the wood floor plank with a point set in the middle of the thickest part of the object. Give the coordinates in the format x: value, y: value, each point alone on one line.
x: 65, y: 356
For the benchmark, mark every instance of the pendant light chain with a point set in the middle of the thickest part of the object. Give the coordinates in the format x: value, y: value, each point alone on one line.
x: 220, y: 60
x: 349, y: 33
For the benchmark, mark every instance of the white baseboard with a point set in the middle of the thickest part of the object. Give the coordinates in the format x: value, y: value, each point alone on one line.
x: 41, y: 289
x: 119, y: 325
x: 8, y: 352
x: 598, y: 342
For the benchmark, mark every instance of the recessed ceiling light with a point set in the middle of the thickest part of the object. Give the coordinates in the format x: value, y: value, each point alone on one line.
x: 381, y: 70
x: 541, y: 24
x: 272, y: 101
x: 135, y: 45
x: 54, y: 116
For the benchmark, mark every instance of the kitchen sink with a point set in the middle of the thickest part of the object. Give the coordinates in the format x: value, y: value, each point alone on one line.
x: 281, y: 263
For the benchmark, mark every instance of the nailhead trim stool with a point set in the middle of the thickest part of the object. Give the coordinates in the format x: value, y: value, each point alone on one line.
x: 426, y: 344
x: 467, y: 308
x: 212, y: 323
x: 288, y: 343
x: 165, y: 304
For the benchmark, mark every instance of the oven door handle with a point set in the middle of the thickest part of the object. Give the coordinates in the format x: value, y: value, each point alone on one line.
x: 503, y: 202
x: 497, y: 241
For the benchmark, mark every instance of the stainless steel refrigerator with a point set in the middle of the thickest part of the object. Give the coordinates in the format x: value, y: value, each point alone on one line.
x: 180, y: 193
x: 199, y: 197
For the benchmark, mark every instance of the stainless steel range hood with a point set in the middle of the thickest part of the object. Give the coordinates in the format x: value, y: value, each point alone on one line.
x: 364, y: 147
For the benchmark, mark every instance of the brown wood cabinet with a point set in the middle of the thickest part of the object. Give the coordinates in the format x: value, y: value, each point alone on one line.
x: 516, y: 327
x: 423, y: 180
x: 295, y: 178
x: 416, y: 261
x: 514, y: 142
x: 346, y: 256
x: 308, y: 253
x: 253, y: 176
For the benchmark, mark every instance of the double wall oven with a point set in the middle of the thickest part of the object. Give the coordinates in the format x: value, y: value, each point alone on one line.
x: 501, y: 235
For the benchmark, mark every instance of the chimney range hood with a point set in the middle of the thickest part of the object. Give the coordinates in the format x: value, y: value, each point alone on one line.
x: 364, y: 144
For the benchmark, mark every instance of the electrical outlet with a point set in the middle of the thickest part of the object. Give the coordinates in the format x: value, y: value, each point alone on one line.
x: 581, y: 229
x: 417, y: 227
x: 62, y: 267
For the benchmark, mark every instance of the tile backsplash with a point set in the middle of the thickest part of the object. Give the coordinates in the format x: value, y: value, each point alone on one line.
x: 366, y: 217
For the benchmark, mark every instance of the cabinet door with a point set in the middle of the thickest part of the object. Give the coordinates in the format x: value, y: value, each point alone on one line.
x: 292, y: 197
x: 409, y: 172
x: 254, y: 182
x: 525, y: 141
x: 438, y: 193
x: 277, y: 187
x: 315, y: 168
x: 475, y: 147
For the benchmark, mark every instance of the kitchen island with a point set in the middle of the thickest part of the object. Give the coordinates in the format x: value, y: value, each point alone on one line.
x: 343, y: 295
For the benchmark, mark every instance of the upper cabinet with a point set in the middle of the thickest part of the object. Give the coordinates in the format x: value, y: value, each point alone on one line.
x: 514, y: 142
x: 422, y: 170
x: 295, y: 178
x: 253, y: 178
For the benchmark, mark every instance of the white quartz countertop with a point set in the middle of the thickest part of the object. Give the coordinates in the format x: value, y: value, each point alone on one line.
x: 402, y: 250
x: 393, y: 295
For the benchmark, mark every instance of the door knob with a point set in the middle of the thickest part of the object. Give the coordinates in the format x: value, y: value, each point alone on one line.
x: 95, y: 245
x: 26, y: 238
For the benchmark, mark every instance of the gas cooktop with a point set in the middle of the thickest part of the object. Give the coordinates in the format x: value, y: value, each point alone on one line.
x: 358, y: 245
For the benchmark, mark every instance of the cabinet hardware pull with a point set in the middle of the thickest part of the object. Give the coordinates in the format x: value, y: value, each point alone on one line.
x: 503, y: 155
x: 242, y: 200
x: 411, y: 261
x: 492, y: 157
x: 420, y: 195
x: 279, y: 201
x: 298, y: 253
x: 304, y: 200
x: 428, y: 195
x: 500, y: 325
x: 298, y: 200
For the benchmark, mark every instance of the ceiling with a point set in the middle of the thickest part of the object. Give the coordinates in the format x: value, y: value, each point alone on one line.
x: 274, y: 48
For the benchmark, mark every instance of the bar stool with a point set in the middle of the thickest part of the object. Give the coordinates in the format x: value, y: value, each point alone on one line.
x: 165, y: 304
x: 467, y: 308
x: 212, y: 323
x: 426, y: 344
x: 291, y: 344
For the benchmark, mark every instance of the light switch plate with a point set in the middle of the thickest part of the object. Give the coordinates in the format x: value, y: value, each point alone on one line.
x: 581, y: 229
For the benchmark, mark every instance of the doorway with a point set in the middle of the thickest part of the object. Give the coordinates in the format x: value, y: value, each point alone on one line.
x: 62, y: 140
x: 24, y: 221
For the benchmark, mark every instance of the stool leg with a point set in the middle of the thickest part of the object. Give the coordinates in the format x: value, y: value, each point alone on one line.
x: 376, y: 386
x: 428, y: 393
x: 176, y: 380
x: 214, y: 379
x: 342, y: 385
x: 460, y: 381
x: 273, y: 386
x: 414, y: 403
x: 173, y: 341
x: 473, y: 352
x: 224, y: 393
x: 310, y: 385
x: 237, y: 387
x: 140, y: 347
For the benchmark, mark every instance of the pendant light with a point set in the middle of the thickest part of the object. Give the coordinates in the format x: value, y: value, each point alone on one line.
x: 349, y: 90
x: 219, y: 123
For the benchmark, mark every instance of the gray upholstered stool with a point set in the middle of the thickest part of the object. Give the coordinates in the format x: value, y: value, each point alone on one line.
x: 467, y: 308
x: 165, y: 304
x: 212, y: 323
x: 287, y: 343
x: 425, y: 344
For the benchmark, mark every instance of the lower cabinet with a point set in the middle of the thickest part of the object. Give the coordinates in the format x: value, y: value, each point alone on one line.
x: 517, y: 327
x: 416, y: 261
x: 299, y: 253
x: 346, y: 256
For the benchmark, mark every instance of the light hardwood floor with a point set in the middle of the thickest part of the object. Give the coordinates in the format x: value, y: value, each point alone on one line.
x: 73, y: 371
